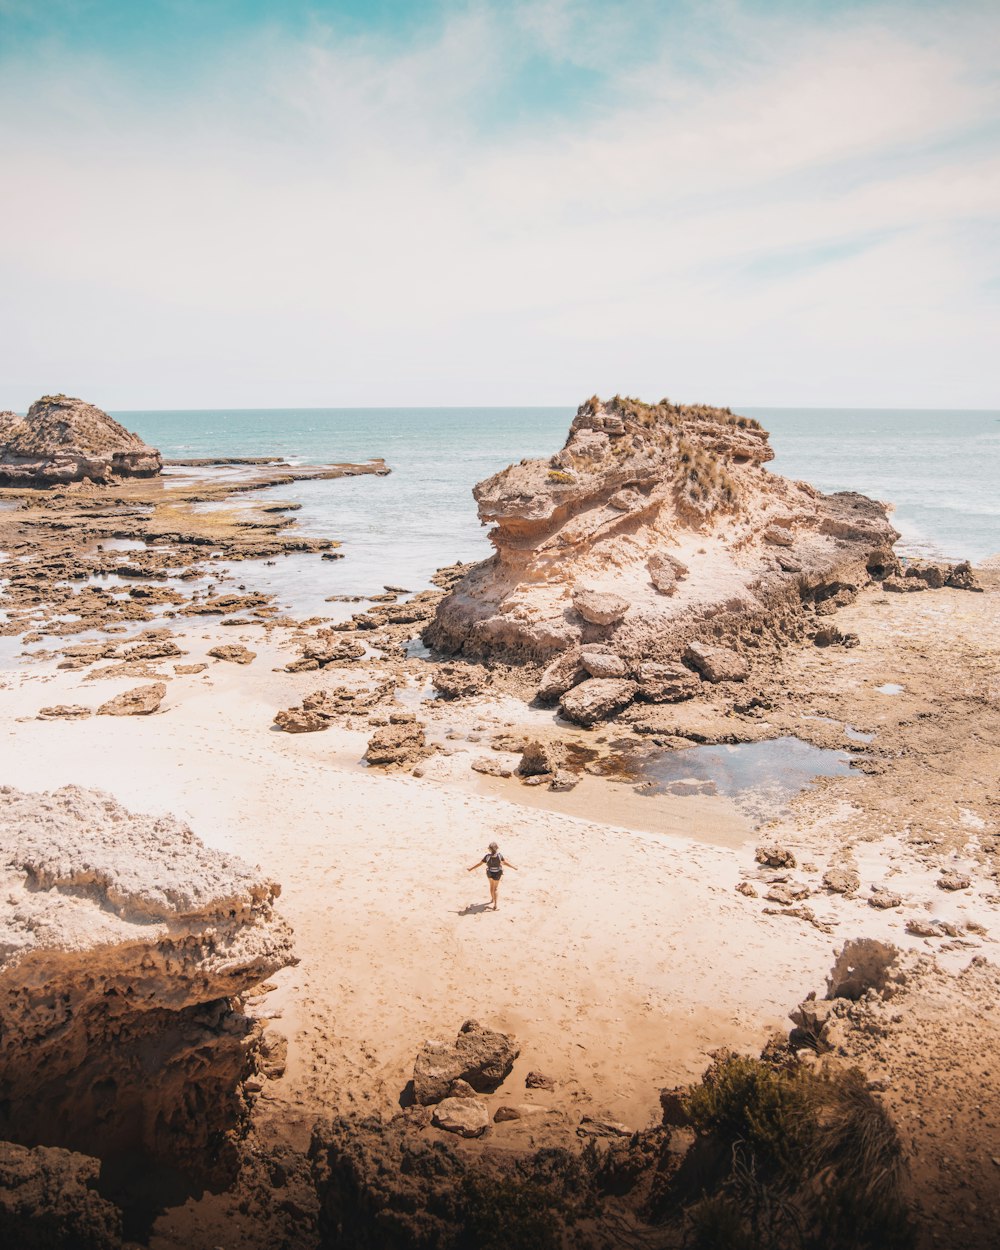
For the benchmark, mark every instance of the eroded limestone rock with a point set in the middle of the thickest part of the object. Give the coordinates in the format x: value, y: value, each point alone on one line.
x: 480, y: 1056
x: 67, y: 440
x: 125, y: 946
x: 141, y: 701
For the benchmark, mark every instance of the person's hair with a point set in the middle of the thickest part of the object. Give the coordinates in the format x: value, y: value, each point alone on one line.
x: 493, y: 846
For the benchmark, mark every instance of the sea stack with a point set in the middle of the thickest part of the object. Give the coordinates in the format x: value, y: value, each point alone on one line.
x: 655, y: 537
x: 66, y: 440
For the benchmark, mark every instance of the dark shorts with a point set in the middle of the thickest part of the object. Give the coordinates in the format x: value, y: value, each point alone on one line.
x: 494, y: 876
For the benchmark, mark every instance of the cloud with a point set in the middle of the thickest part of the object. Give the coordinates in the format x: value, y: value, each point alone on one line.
x: 746, y: 208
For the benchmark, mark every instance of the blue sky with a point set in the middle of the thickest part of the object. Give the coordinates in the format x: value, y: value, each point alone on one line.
x: 242, y: 203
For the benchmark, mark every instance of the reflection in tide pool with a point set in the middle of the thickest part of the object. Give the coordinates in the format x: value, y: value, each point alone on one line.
x: 774, y: 770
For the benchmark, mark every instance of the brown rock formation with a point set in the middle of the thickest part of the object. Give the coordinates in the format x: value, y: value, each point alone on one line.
x: 66, y: 440
x: 124, y: 947
x: 48, y: 1198
x: 656, y: 526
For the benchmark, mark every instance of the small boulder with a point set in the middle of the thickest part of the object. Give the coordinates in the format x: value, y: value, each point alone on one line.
x: 962, y: 577
x: 468, y: 1117
x: 233, y: 653
x: 599, y: 607
x: 745, y: 888
x: 538, y: 1080
x: 482, y: 1057
x: 922, y: 928
x: 716, y: 663
x: 187, y: 670
x: 666, y: 683
x: 565, y: 671
x: 592, y: 1126
x: 603, y: 663
x: 141, y: 701
x: 298, y: 720
x: 841, y: 880
x: 457, y: 681
x: 665, y: 571
x: 774, y: 856
x: 883, y: 899
x: 953, y: 881
x: 489, y: 767
x: 503, y: 1114
x: 64, y: 711
x: 402, y: 741
x: 563, y: 780
x: 541, y: 758
x: 596, y: 700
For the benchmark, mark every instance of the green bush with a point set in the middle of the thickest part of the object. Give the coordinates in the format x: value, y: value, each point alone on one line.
x: 745, y: 1100
x: 507, y: 1214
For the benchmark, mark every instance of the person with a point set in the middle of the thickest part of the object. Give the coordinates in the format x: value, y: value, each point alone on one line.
x: 495, y: 864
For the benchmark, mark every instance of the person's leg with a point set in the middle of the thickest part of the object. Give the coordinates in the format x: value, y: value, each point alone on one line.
x: 494, y: 886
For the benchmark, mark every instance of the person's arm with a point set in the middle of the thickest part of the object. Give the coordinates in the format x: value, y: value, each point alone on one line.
x: 507, y: 864
x: 477, y: 864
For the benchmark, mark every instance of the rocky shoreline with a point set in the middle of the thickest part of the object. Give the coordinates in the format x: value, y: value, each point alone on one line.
x: 567, y: 718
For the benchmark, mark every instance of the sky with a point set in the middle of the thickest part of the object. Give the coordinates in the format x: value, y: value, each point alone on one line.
x: 234, y: 203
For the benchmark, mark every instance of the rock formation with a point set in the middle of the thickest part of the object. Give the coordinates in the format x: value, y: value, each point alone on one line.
x: 124, y: 948
x: 656, y: 536
x: 479, y: 1056
x: 66, y: 440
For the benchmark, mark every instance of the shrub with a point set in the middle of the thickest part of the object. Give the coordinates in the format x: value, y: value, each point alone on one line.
x: 745, y: 1100
x: 507, y: 1214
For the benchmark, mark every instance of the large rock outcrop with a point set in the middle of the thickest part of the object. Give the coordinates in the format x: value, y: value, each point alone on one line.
x: 66, y: 440
x: 125, y: 946
x: 657, y: 528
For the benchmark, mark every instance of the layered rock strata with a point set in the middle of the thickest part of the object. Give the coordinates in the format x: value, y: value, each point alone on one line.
x: 125, y: 946
x: 66, y: 440
x: 656, y: 536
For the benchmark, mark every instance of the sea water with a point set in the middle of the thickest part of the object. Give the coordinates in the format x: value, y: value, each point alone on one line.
x: 937, y: 469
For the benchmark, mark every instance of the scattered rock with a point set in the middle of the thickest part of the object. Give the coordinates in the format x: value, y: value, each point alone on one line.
x: 841, y: 880
x: 666, y: 683
x: 233, y: 653
x: 490, y: 767
x: 863, y: 964
x: 461, y: 1089
x: 482, y: 1057
x: 592, y: 1126
x: 538, y: 1080
x: 299, y: 720
x: 599, y: 607
x: 506, y: 1113
x: 953, y: 881
x: 774, y: 856
x: 716, y: 663
x: 922, y: 928
x: 744, y: 887
x: 541, y: 757
x: 665, y: 572
x: 597, y: 699
x: 457, y: 681
x: 141, y: 701
x: 399, y: 742
x: 563, y: 780
x: 603, y: 663
x: 468, y: 1117
x: 882, y: 899
x: 64, y: 711
x: 962, y: 577
x: 186, y: 670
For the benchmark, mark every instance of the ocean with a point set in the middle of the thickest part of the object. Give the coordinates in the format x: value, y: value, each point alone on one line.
x: 939, y: 470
